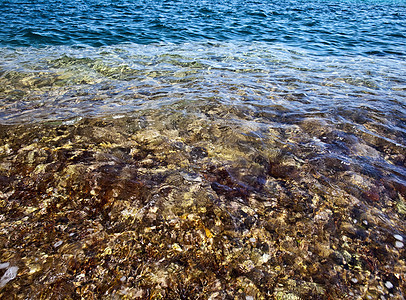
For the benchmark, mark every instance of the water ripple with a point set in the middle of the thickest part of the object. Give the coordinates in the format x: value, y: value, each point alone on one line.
x: 367, y: 27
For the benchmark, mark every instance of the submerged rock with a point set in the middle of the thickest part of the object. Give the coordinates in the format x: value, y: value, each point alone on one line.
x: 9, y: 275
x: 103, y: 208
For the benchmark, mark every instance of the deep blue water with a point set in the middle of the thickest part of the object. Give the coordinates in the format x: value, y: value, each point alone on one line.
x: 326, y: 26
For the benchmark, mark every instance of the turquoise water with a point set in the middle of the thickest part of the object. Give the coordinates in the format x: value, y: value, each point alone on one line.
x: 251, y: 149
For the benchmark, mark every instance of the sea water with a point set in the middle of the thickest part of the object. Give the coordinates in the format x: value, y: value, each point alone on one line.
x: 256, y: 147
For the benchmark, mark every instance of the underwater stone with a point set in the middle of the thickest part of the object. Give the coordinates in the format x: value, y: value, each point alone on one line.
x: 142, y: 207
x: 10, y: 274
x: 57, y: 244
x: 198, y: 153
x: 286, y: 296
x: 337, y: 257
x: 4, y: 265
x: 399, y: 244
x: 347, y: 256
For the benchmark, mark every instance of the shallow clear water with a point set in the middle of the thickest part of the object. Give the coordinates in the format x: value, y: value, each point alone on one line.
x: 61, y: 82
x: 249, y: 149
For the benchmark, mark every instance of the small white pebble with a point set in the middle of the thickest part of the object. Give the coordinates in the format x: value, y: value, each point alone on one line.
x: 253, y: 240
x: 57, y: 244
x: 399, y: 244
x: 249, y: 298
x: 365, y: 222
x: 398, y: 237
x: 388, y: 285
x: 351, y: 293
x: 369, y: 297
x: 4, y: 265
x: 265, y: 258
x: 355, y: 280
x: 355, y: 221
x: 122, y: 279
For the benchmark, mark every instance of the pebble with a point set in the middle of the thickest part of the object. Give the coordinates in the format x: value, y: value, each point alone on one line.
x: 4, y: 265
x: 398, y: 237
x: 57, y: 244
x: 399, y: 244
x: 191, y: 177
x: 265, y: 258
x: 388, y: 285
x: 10, y: 274
x: 176, y: 247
